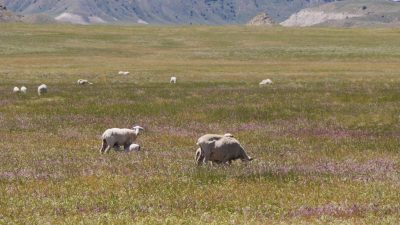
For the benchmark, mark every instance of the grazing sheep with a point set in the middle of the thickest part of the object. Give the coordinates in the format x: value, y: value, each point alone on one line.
x: 23, y: 89
x: 123, y: 73
x: 42, y: 89
x: 266, y: 81
x: 116, y: 137
x: 83, y: 82
x: 134, y: 147
x: 219, y: 149
x: 16, y: 90
x: 173, y: 80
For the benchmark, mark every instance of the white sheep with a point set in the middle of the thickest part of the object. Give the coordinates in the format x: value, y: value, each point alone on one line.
x: 16, y: 90
x: 23, y: 89
x: 219, y: 149
x: 266, y: 81
x: 207, y: 138
x: 134, y: 147
x: 123, y: 73
x: 116, y: 137
x: 173, y: 80
x: 83, y: 82
x: 42, y: 89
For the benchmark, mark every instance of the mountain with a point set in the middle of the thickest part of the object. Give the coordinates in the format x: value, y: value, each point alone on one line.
x: 6, y: 16
x: 158, y: 11
x: 349, y: 13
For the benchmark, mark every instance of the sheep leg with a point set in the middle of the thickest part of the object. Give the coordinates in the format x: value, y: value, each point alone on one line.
x: 206, y: 158
x: 126, y: 147
x: 116, y: 146
x: 206, y: 154
x: 103, y: 146
x: 226, y: 161
x: 108, y: 149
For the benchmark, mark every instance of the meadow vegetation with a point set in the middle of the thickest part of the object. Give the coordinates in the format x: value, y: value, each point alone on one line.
x: 325, y: 135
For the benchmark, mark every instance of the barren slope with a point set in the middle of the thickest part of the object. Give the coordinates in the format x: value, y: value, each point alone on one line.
x: 351, y: 13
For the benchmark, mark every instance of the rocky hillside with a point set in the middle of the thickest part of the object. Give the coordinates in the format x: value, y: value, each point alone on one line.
x: 158, y: 11
x: 349, y: 13
x: 6, y: 16
x: 261, y: 20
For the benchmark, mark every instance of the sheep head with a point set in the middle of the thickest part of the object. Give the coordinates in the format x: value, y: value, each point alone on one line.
x: 137, y: 129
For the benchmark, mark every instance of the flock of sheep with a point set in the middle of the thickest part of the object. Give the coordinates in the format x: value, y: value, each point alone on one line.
x: 41, y: 89
x: 215, y: 148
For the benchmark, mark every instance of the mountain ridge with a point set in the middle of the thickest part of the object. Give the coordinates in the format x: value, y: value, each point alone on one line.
x: 214, y: 12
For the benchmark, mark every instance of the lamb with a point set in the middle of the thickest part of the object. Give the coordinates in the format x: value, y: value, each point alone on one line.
x: 134, y: 147
x: 173, y: 80
x: 219, y: 149
x: 116, y: 137
x: 83, y: 82
x: 266, y: 81
x: 16, y: 90
x: 23, y: 89
x: 123, y: 73
x: 42, y: 89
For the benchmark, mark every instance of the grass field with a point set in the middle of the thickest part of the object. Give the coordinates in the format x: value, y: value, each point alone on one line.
x: 325, y: 135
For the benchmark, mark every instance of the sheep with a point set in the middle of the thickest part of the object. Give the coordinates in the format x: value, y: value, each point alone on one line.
x: 173, y: 80
x: 83, y: 82
x: 16, y: 90
x: 134, y: 147
x: 219, y: 149
x: 123, y: 73
x: 116, y: 137
x: 23, y: 89
x: 42, y: 89
x: 266, y: 81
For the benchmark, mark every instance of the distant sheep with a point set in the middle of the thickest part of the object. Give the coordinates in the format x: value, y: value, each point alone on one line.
x: 16, y: 90
x: 219, y: 149
x: 123, y: 73
x: 134, y: 147
x: 266, y: 81
x: 83, y: 82
x: 116, y: 137
x: 173, y: 80
x: 23, y: 89
x: 42, y: 89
